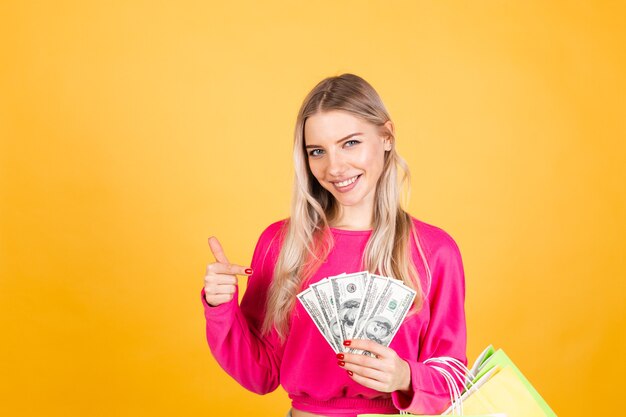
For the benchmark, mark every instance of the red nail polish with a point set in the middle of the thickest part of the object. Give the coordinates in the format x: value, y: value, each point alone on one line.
x: 346, y: 343
x: 248, y: 271
x: 340, y: 356
x: 350, y: 373
x: 341, y: 363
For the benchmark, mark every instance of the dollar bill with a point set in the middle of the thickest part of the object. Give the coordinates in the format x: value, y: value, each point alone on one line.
x: 376, y: 284
x: 324, y: 292
x: 348, y: 291
x: 390, y: 309
x: 311, y: 305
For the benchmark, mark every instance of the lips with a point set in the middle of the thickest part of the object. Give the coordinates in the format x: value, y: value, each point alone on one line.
x: 347, y: 184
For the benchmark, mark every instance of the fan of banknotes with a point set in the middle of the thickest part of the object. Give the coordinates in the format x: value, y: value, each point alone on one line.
x: 360, y: 305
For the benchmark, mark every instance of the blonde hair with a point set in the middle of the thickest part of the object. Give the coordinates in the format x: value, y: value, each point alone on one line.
x: 307, y: 238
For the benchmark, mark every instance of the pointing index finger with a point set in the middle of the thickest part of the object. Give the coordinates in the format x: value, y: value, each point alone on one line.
x: 230, y: 269
x: 217, y: 250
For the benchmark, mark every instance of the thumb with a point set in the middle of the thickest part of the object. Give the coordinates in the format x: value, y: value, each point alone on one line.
x: 220, y: 257
x: 217, y: 250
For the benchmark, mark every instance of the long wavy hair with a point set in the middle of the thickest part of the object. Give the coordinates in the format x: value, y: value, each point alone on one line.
x: 307, y: 238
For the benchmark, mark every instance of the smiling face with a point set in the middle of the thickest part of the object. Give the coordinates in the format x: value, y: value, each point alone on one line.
x: 346, y: 156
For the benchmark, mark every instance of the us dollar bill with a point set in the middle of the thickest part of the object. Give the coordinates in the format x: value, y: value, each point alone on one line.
x: 376, y: 284
x: 309, y: 301
x: 387, y: 315
x: 324, y: 293
x: 348, y: 292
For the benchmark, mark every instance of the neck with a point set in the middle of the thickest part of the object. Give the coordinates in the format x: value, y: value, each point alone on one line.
x: 353, y: 218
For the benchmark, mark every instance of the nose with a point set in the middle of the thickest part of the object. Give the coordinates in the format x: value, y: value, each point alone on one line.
x: 337, y: 165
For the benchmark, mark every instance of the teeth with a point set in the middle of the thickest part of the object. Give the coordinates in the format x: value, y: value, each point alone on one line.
x: 346, y: 182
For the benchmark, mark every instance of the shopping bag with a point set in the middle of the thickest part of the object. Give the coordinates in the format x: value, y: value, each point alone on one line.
x: 497, y: 385
x: 493, y: 387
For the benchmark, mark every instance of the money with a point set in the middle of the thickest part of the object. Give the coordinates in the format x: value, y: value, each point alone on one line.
x: 375, y: 286
x: 348, y: 291
x: 357, y: 306
x: 387, y: 315
x: 324, y: 292
x: 311, y: 305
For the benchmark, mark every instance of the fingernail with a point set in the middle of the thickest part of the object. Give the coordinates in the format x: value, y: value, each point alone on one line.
x: 346, y: 343
x: 248, y: 271
x: 350, y: 373
x: 341, y: 363
x: 340, y: 356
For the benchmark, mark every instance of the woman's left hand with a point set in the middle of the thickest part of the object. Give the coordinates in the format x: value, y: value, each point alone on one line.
x: 385, y: 372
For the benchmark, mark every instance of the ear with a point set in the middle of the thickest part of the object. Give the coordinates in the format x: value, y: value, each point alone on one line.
x: 388, y: 140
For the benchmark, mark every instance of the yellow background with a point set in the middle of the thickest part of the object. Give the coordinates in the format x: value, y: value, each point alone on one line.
x: 133, y: 130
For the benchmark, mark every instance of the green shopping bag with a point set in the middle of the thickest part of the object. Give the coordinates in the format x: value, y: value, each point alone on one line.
x: 499, y: 386
x: 493, y: 387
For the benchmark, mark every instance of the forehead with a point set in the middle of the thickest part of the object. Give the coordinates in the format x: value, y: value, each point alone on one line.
x: 330, y: 126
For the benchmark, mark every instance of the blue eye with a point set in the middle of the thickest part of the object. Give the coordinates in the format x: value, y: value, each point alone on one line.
x: 313, y: 152
x: 352, y: 141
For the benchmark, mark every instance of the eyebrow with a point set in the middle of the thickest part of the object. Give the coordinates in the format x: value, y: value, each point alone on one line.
x: 347, y: 137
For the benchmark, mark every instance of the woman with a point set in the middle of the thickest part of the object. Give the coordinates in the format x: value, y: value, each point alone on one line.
x: 345, y: 217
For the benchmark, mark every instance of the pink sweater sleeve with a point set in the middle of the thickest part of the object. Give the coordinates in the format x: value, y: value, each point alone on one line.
x: 233, y: 331
x: 445, y: 336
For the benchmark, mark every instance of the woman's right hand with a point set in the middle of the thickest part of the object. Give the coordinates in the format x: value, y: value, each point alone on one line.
x: 220, y: 281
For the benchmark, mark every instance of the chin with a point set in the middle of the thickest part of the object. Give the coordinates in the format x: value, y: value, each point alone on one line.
x: 345, y: 200
x: 348, y: 203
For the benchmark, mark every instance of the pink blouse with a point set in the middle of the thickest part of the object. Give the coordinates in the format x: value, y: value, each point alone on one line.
x: 306, y: 366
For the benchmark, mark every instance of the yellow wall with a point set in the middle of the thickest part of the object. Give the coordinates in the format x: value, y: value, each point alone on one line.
x: 131, y: 131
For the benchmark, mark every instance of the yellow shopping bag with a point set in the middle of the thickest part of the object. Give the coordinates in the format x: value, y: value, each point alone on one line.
x: 498, y: 386
x: 493, y: 387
